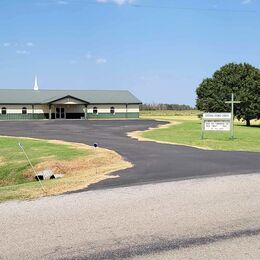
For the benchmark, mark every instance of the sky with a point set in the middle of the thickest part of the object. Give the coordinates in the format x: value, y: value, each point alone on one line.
x: 159, y: 50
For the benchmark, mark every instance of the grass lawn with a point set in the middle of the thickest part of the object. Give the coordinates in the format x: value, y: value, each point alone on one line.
x: 80, y: 164
x: 14, y: 166
x: 187, y: 130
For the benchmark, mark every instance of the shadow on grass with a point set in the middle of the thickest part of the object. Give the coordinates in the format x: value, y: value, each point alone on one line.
x: 251, y: 126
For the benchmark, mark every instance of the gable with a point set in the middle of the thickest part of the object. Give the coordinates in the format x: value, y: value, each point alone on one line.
x: 69, y: 101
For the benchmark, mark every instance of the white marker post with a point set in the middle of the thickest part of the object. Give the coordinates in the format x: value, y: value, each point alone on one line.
x: 232, y: 102
x: 22, y: 148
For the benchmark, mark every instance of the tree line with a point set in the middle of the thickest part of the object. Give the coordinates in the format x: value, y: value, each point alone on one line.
x: 162, y: 106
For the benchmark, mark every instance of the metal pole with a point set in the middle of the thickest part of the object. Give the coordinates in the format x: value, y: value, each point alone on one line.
x: 232, y: 115
x: 20, y: 145
x: 202, y: 129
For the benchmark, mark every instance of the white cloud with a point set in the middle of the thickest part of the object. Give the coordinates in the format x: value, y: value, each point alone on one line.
x: 101, y: 61
x: 98, y: 60
x: 29, y: 44
x: 23, y: 52
x: 18, y: 45
x: 118, y: 2
x: 62, y: 2
x: 7, y: 44
x: 246, y: 2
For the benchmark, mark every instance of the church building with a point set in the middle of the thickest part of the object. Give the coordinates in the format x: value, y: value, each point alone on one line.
x: 16, y: 104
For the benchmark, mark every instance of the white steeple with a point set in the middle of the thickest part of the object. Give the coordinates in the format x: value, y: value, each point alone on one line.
x: 36, y: 87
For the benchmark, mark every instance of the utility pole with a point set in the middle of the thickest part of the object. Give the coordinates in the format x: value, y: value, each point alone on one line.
x: 232, y: 102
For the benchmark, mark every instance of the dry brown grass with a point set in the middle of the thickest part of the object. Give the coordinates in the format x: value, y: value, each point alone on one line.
x: 78, y: 173
x: 139, y: 134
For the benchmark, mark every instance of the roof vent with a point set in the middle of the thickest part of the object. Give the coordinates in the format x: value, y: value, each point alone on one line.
x: 35, y: 87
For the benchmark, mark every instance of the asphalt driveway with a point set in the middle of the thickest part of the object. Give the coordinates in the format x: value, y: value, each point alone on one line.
x: 153, y: 162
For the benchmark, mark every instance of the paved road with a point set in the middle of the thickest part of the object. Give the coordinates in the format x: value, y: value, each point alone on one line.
x: 207, y: 218
x: 153, y: 162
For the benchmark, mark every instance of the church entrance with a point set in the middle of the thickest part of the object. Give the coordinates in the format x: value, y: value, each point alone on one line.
x: 60, y: 113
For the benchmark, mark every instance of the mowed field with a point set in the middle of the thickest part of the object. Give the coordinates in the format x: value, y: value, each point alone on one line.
x: 186, y: 129
x: 80, y: 164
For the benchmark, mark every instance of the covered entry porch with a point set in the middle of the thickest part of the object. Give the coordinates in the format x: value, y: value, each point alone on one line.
x: 68, y: 108
x: 67, y: 112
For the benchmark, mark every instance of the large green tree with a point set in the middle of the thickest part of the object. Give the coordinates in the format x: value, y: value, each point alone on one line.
x: 241, y: 79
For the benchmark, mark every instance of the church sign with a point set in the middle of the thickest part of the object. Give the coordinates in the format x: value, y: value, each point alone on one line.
x: 219, y: 121
x: 210, y: 116
x: 216, y: 122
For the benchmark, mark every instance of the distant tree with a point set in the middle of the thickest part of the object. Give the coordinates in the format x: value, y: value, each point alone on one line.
x: 161, y: 106
x: 241, y: 79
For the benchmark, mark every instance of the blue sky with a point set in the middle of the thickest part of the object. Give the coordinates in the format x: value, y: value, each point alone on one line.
x: 159, y: 50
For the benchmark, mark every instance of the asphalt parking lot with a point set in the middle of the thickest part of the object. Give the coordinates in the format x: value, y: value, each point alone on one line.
x: 153, y: 162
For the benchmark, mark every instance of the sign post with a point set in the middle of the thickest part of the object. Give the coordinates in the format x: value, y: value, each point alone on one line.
x: 232, y: 102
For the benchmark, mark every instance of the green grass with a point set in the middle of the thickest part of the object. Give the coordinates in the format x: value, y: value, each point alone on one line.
x: 13, y: 164
x: 187, y: 131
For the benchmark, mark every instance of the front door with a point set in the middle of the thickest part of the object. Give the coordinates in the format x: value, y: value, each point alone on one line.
x: 60, y: 113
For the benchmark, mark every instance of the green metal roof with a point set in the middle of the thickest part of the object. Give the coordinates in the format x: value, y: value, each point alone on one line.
x: 28, y: 96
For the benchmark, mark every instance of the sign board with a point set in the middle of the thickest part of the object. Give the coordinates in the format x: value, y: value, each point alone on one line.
x: 220, y: 125
x: 215, y: 116
x: 216, y: 122
x: 219, y: 121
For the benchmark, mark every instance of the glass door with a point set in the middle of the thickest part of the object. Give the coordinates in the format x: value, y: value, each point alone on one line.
x: 60, y: 113
x: 57, y: 113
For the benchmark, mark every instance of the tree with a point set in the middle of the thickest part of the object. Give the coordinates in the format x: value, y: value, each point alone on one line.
x: 241, y: 79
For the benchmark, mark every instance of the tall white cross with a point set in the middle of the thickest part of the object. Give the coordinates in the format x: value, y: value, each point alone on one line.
x: 232, y: 102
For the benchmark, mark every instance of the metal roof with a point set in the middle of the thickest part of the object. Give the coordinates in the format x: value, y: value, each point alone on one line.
x: 28, y: 96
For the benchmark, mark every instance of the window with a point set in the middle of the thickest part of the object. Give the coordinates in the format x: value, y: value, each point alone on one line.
x: 3, y: 110
x: 112, y: 110
x: 24, y: 110
x: 95, y: 111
